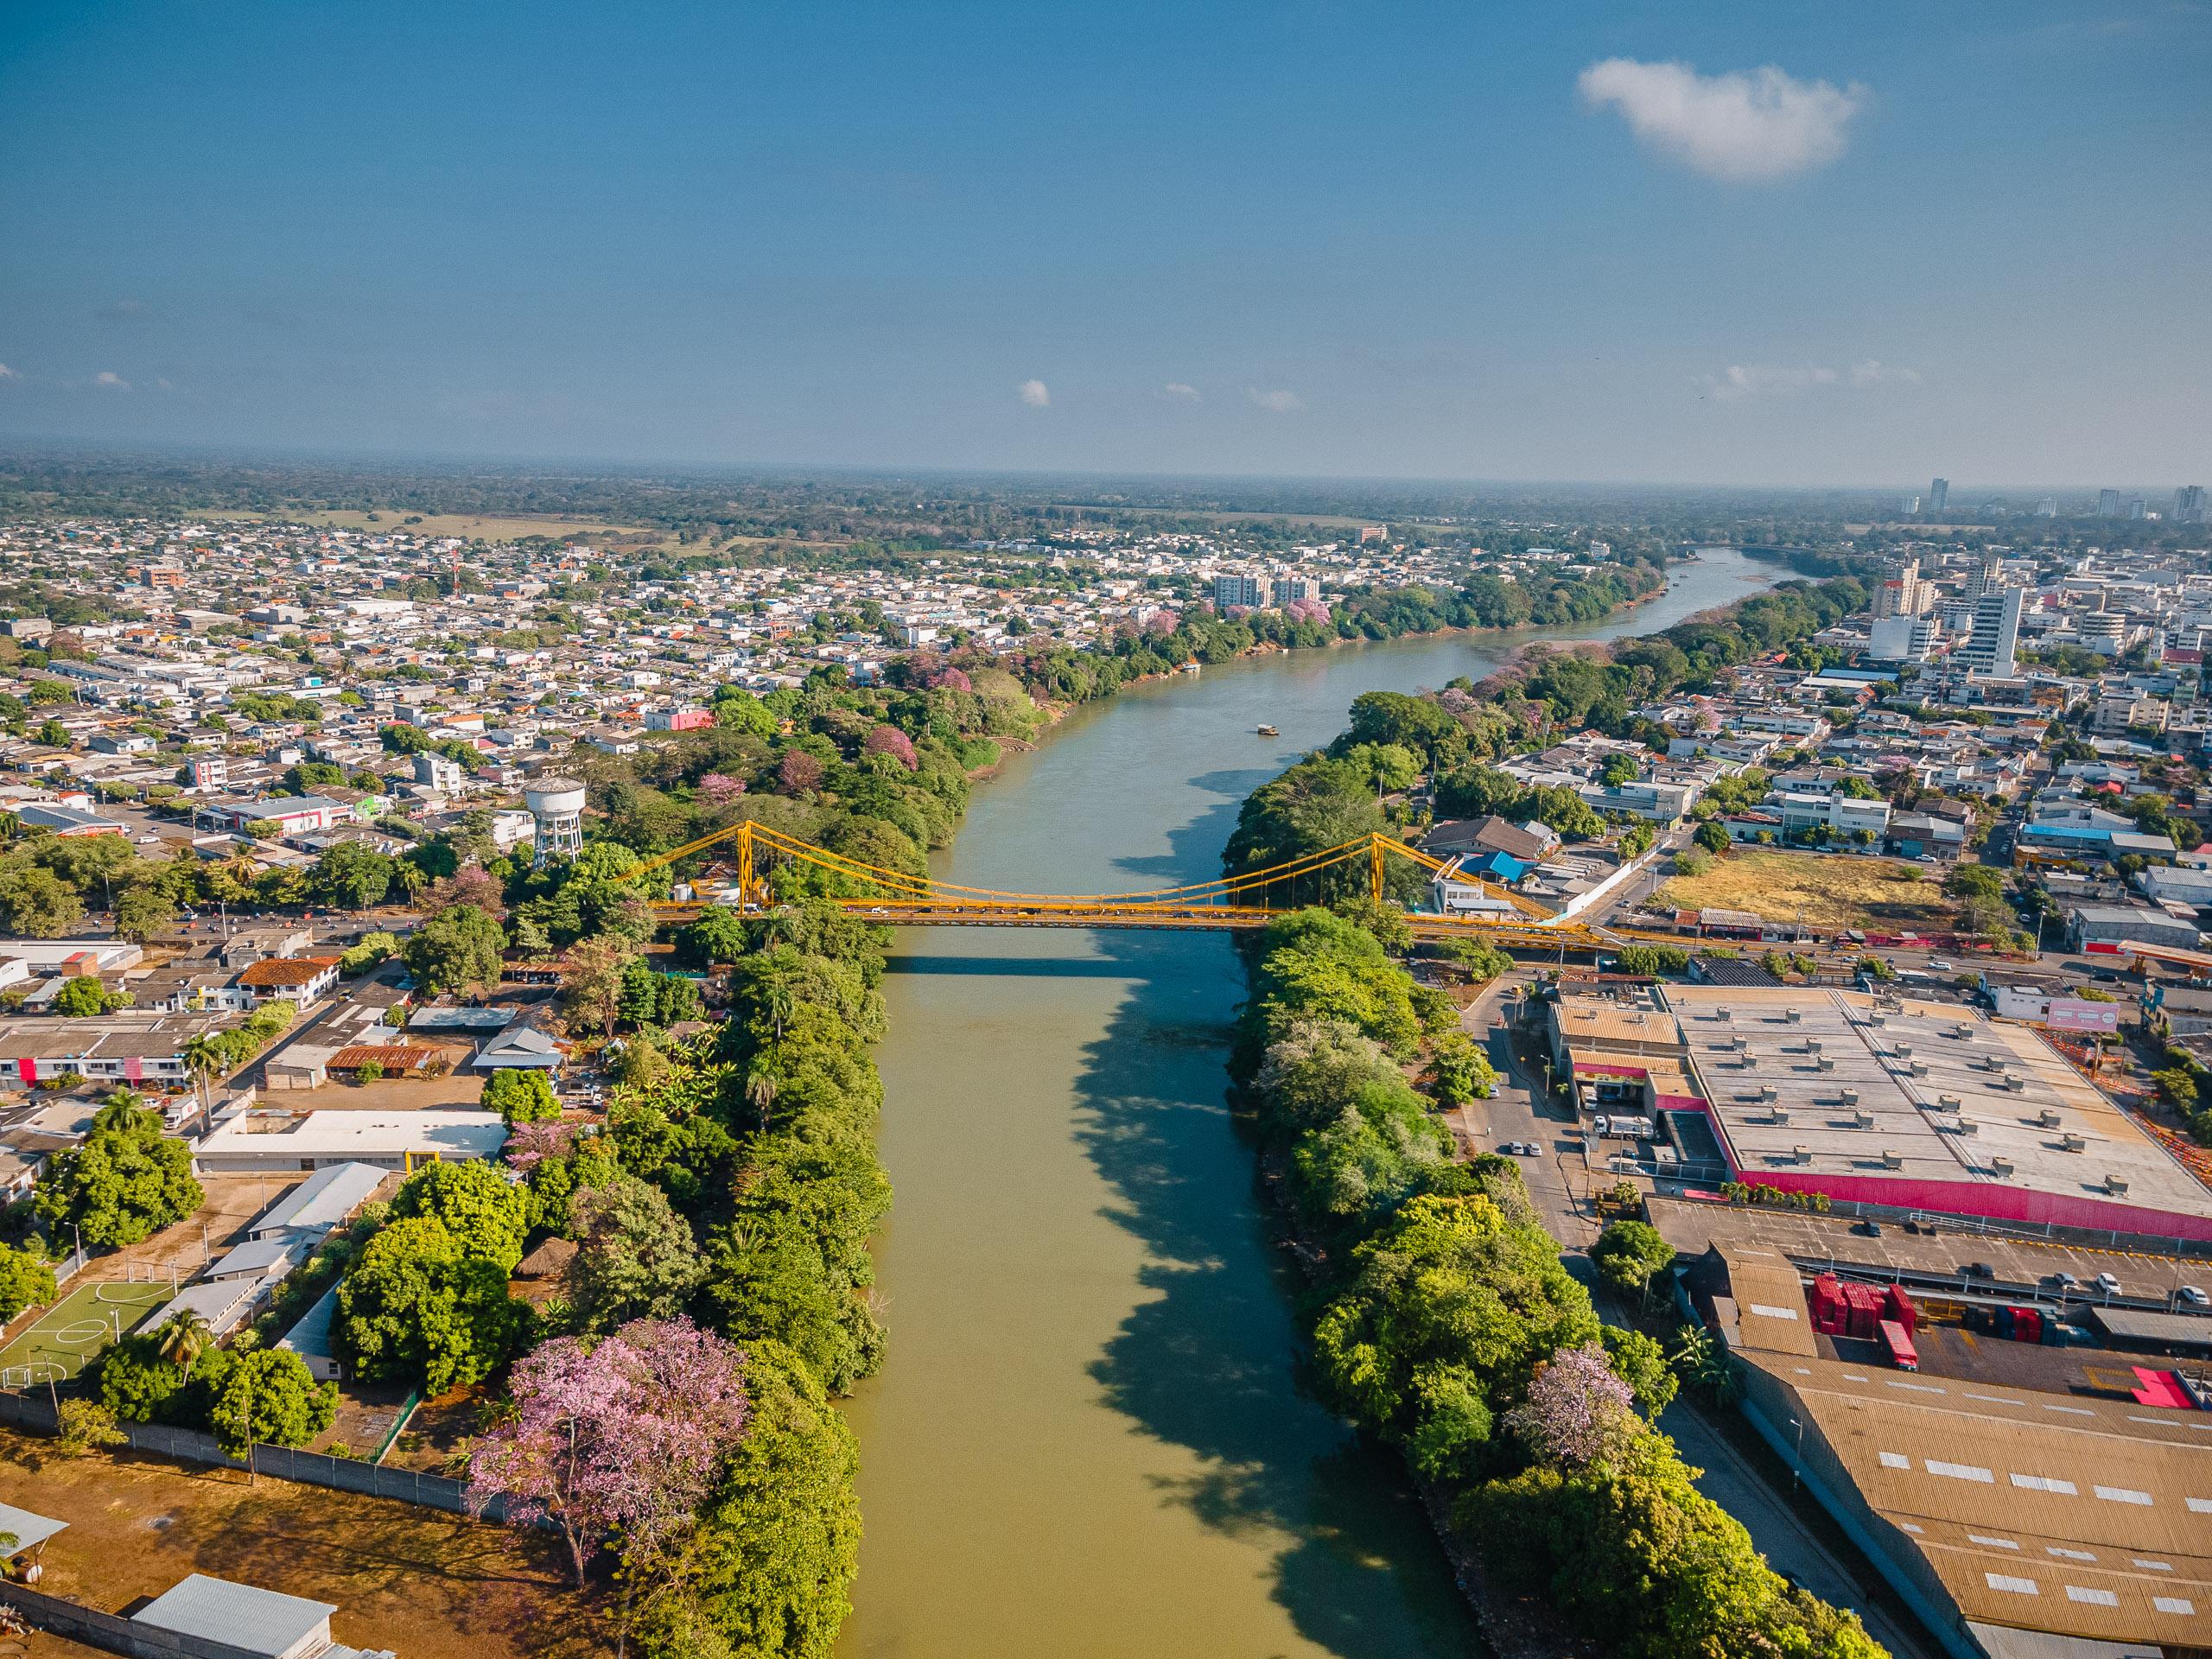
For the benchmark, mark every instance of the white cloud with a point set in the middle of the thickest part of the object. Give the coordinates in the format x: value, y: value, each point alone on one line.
x: 1176, y: 392
x: 1872, y: 372
x: 110, y: 379
x: 1742, y: 380
x: 1743, y: 128
x: 6, y: 373
x: 1276, y: 403
x: 1035, y: 393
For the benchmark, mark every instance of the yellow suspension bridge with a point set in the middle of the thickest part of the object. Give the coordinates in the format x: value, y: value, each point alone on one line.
x: 739, y: 880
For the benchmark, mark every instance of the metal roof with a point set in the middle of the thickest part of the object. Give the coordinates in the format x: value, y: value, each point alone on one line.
x: 321, y: 1201
x: 28, y: 1530
x: 241, y: 1615
x: 2140, y: 1325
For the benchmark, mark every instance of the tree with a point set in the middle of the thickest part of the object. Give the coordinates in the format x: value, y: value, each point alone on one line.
x: 519, y: 1096
x: 85, y: 1426
x: 417, y: 1308
x: 592, y: 981
x: 1577, y: 1409
x: 143, y: 910
x: 124, y: 1182
x: 1650, y: 961
x: 1710, y: 836
x: 26, y: 1280
x: 635, y: 1256
x: 626, y: 1437
x: 461, y: 949
x: 182, y: 1338
x: 1462, y: 1071
x: 770, y: 1566
x: 486, y: 1214
x: 889, y: 739
x: 204, y: 1061
x: 1628, y: 1254
x: 353, y: 874
x: 268, y: 1396
x: 799, y: 773
x: 371, y: 950
x: 35, y: 903
x: 84, y: 997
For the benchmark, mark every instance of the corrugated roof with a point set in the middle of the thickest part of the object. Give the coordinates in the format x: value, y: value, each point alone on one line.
x: 241, y: 1615
x: 2062, y: 1513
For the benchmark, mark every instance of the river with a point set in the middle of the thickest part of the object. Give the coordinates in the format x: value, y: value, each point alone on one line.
x: 1090, y: 1437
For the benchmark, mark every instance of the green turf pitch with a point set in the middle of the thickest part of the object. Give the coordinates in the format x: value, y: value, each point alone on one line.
x: 75, y: 1329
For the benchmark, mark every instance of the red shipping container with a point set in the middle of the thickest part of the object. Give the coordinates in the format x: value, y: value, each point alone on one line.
x: 1899, y: 1307
x: 1828, y: 1315
x: 1865, y: 1306
x: 2027, y: 1325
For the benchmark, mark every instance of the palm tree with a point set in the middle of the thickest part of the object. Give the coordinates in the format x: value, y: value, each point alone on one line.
x: 184, y: 1336
x: 203, y: 1059
x: 760, y: 1087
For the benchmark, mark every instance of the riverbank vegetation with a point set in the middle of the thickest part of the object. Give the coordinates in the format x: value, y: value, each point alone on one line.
x: 1447, y: 1325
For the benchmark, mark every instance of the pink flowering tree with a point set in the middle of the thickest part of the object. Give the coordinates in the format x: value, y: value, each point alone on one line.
x: 889, y: 739
x: 1161, y: 624
x: 1307, y: 610
x: 530, y: 1144
x: 799, y: 773
x: 950, y: 679
x: 718, y: 789
x: 623, y: 1438
x: 1578, y: 1407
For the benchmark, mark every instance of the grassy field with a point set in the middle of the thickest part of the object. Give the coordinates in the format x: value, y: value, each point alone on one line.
x: 75, y: 1329
x: 424, y: 1584
x: 491, y: 528
x: 1821, y: 890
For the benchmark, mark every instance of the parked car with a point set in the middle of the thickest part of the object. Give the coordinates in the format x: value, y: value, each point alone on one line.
x: 2108, y: 1284
x: 2193, y: 1295
x: 2062, y: 1281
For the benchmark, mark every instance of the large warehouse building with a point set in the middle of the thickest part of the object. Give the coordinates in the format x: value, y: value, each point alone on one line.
x: 1911, y: 1105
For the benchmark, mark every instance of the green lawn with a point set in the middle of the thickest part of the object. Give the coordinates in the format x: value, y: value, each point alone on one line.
x: 75, y: 1329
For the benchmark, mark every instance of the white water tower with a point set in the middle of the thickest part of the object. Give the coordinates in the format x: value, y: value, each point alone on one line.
x: 557, y: 804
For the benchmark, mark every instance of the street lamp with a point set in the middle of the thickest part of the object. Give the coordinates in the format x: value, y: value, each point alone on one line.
x: 1797, y: 1462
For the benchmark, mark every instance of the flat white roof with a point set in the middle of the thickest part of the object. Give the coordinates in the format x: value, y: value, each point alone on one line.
x: 1901, y: 1073
x: 366, y: 1134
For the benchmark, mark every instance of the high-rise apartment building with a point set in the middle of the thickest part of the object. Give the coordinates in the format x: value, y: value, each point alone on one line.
x: 1939, y: 494
x: 1289, y: 590
x: 1229, y: 590
x: 2048, y: 507
x: 2107, y: 504
x: 1990, y: 648
x: 1986, y: 578
x: 1904, y: 594
x: 2188, y: 504
x: 2136, y: 509
x: 1902, y: 639
x: 1909, y: 504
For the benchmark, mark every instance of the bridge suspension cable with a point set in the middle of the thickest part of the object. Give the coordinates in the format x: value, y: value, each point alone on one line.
x: 754, y: 840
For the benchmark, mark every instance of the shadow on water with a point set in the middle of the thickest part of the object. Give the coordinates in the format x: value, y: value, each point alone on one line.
x: 1211, y: 1363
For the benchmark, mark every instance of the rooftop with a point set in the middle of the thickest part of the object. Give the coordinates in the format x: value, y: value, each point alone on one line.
x: 1833, y: 1083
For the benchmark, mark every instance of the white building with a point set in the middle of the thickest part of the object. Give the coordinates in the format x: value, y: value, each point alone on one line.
x: 1989, y: 649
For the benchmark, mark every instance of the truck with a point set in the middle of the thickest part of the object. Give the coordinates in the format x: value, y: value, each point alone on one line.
x: 1898, y: 1346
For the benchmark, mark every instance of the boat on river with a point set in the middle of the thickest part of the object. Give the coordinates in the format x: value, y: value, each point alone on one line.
x: 1269, y: 731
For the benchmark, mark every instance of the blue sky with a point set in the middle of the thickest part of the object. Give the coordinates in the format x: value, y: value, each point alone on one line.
x: 1553, y: 241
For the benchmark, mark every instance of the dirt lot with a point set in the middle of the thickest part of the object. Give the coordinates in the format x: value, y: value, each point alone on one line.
x: 232, y: 1202
x: 425, y: 1583
x: 386, y: 1094
x: 1828, y: 891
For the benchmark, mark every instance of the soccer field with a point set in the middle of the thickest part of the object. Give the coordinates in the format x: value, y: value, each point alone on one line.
x: 75, y: 1329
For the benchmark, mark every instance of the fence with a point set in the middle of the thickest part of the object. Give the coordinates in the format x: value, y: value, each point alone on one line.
x: 280, y: 1462
x: 112, y: 1632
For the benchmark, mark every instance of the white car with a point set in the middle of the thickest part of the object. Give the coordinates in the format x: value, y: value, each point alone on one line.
x: 1940, y: 965
x: 2107, y: 1284
x: 2193, y: 1295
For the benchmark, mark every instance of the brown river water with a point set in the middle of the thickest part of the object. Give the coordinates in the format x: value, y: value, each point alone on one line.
x: 1091, y: 1438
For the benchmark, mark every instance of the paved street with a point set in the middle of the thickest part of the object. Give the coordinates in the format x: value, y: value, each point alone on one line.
x: 1560, y: 1185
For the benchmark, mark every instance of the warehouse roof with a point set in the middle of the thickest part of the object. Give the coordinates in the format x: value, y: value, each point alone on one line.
x: 2059, y: 1513
x: 1841, y: 1083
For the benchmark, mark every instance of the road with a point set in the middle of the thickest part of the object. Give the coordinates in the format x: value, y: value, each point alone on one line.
x: 1560, y: 1183
x: 1789, y: 1546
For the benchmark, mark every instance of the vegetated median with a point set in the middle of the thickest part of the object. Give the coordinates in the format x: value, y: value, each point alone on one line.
x: 1446, y: 1325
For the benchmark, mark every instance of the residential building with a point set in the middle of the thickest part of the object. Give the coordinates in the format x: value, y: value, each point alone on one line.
x: 1939, y: 494
x: 1241, y: 590
x: 1989, y: 649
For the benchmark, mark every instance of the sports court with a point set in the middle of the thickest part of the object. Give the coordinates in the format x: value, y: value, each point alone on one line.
x: 76, y: 1328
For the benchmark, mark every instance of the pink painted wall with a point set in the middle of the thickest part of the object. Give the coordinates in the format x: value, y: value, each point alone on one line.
x: 1991, y: 1201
